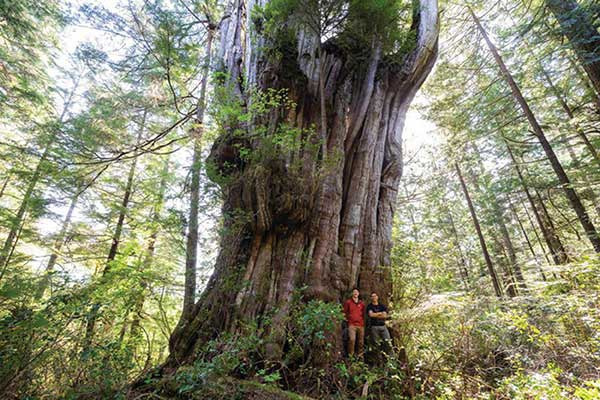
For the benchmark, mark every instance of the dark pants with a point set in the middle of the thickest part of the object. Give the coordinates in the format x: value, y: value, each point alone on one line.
x: 382, y: 340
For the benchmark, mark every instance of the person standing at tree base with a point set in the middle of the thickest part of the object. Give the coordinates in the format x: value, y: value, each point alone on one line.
x: 354, y: 309
x: 378, y: 313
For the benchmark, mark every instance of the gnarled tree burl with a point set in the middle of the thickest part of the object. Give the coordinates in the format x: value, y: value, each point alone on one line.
x: 325, y: 226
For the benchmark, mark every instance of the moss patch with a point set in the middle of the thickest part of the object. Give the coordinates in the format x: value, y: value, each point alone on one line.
x: 223, y: 389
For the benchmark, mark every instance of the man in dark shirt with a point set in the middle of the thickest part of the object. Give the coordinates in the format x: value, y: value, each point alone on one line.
x: 354, y: 309
x: 378, y: 313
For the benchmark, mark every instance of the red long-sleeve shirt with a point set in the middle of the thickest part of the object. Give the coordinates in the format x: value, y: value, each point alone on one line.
x: 355, y: 312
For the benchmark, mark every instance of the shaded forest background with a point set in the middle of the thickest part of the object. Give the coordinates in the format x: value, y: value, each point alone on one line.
x: 104, y: 142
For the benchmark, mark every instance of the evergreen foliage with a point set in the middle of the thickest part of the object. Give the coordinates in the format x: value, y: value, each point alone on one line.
x: 102, y: 148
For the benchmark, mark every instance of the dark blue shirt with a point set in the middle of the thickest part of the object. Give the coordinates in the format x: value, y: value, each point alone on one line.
x: 376, y: 308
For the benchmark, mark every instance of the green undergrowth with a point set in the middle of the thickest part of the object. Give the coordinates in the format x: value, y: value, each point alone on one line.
x: 544, y: 344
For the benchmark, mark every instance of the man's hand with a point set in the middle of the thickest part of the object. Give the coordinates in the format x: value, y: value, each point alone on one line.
x: 380, y: 315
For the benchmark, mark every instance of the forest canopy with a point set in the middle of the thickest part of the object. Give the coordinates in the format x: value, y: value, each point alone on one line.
x: 190, y: 190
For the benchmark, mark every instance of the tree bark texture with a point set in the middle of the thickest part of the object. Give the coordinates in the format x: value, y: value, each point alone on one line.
x: 320, y: 225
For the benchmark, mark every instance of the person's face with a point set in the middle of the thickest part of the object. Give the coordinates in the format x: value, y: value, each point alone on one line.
x: 374, y: 297
x: 355, y: 293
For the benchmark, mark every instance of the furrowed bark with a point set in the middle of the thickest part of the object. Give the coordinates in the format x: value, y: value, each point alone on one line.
x: 324, y: 226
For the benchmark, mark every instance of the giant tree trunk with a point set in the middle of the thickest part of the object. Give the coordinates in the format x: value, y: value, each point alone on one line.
x: 322, y: 226
x: 577, y: 26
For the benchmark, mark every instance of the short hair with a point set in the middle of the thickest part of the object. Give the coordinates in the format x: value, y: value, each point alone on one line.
x: 372, y: 293
x: 355, y: 288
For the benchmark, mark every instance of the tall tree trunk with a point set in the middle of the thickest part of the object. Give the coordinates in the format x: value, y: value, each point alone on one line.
x: 578, y: 130
x: 323, y: 226
x: 149, y: 257
x: 535, y: 232
x: 191, y: 251
x: 463, y: 266
x: 526, y: 237
x: 577, y: 26
x: 5, y: 183
x: 116, y: 237
x: 584, y: 80
x: 17, y: 220
x: 497, y: 213
x: 484, y: 248
x: 58, y: 243
x: 559, y: 255
x: 570, y: 115
x: 570, y: 193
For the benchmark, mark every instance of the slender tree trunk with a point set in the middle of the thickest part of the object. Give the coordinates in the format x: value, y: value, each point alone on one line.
x: 555, y: 246
x: 497, y: 212
x: 15, y: 226
x: 570, y: 193
x: 585, y: 81
x: 191, y: 252
x: 17, y: 220
x: 580, y: 133
x: 484, y: 248
x: 584, y: 38
x: 463, y: 267
x: 6, y: 180
x: 588, y: 191
x: 58, y: 243
x: 116, y: 237
x: 526, y: 237
x: 322, y: 226
x: 512, y: 255
x: 535, y: 232
x: 570, y: 115
x: 149, y: 257
x: 510, y: 285
x: 12, y: 249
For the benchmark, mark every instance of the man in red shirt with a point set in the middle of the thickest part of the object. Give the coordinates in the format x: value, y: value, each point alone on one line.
x: 354, y: 309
